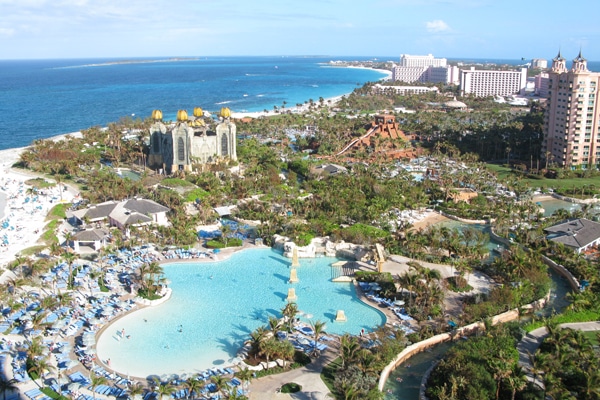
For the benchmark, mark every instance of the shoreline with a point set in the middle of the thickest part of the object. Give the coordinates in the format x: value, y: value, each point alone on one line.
x: 237, y: 115
x: 329, y: 101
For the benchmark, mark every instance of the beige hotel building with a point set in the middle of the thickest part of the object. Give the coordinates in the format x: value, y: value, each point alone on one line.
x: 571, y: 124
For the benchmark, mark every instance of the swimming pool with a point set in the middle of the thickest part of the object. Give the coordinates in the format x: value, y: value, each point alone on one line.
x: 216, y: 305
x: 551, y: 205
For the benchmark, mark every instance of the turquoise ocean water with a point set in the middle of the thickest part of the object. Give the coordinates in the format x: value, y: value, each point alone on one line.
x: 43, y: 98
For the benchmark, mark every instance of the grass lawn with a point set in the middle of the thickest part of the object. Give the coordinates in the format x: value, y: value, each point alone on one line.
x: 558, y: 184
x: 592, y: 336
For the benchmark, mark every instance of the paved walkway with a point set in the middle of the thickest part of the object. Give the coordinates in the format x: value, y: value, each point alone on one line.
x: 532, y: 341
x: 309, y: 377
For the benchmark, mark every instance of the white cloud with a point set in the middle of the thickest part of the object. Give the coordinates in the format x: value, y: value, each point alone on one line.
x: 6, y: 32
x: 437, y: 26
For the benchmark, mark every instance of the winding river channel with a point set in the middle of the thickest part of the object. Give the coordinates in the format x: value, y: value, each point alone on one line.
x: 405, y: 381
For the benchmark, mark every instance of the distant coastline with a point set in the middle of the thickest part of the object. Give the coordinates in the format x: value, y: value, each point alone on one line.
x: 123, y: 62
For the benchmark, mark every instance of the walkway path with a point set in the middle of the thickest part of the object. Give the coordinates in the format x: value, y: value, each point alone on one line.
x: 531, y: 341
x: 309, y: 377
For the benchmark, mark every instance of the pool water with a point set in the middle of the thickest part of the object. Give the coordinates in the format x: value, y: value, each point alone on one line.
x: 551, y: 205
x: 215, y: 306
x: 490, y: 244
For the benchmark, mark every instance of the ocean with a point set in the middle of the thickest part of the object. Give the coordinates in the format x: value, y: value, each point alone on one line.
x: 44, y: 98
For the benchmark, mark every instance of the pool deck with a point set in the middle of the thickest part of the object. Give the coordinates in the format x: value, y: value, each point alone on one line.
x: 309, y: 377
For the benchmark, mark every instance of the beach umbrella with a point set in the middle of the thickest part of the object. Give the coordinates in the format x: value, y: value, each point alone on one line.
x: 399, y: 302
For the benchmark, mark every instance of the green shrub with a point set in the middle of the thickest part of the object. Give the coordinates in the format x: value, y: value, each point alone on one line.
x: 59, y: 211
x: 363, y: 234
x: 459, y: 284
x: 219, y: 244
x: 291, y: 388
x: 198, y: 193
x: 175, y: 182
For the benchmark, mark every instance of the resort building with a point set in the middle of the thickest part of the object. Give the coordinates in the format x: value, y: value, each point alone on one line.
x: 579, y: 234
x: 407, y: 60
x: 541, y: 63
x: 483, y: 83
x: 403, y: 90
x: 424, y: 69
x: 121, y: 214
x: 541, y: 84
x: 571, y: 120
x: 190, y: 140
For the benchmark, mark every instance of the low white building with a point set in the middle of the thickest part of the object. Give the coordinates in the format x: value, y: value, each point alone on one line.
x: 124, y: 214
x: 386, y: 89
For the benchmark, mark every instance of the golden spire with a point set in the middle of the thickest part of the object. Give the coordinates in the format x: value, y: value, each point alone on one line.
x: 157, y: 115
x: 225, y: 112
x: 182, y: 116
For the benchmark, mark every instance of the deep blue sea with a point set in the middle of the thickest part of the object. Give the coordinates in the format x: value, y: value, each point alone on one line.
x: 44, y: 98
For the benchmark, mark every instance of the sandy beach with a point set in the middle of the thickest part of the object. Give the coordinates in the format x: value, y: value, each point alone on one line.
x: 24, y: 212
x: 430, y: 218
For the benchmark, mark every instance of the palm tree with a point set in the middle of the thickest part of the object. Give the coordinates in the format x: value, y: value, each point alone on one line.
x: 40, y: 367
x: 349, y: 347
x: 96, y: 380
x: 245, y: 375
x: 268, y: 349
x: 135, y: 391
x: 7, y: 385
x: 193, y: 386
x: 234, y: 394
x: 256, y: 338
x: 220, y: 383
x: 70, y: 259
x: 165, y: 389
x: 274, y: 324
x: 289, y: 312
x: 318, y: 328
x: 517, y: 381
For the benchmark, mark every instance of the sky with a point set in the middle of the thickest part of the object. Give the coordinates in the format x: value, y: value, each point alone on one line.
x: 489, y: 29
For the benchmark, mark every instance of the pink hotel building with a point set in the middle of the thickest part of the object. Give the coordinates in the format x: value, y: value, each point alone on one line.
x: 571, y: 120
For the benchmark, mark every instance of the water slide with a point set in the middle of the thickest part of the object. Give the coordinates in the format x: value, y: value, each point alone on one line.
x: 352, y: 143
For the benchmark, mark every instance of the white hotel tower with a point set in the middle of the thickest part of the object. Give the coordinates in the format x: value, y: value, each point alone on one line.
x: 571, y: 120
x: 424, y: 69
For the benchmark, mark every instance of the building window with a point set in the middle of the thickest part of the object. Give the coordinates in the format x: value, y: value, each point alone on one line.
x: 156, y: 143
x: 180, y: 149
x: 224, y: 146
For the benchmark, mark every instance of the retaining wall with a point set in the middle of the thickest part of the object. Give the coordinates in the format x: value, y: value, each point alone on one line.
x: 466, y: 221
x: 574, y: 200
x: 423, y: 345
x: 156, y: 302
x: 559, y: 269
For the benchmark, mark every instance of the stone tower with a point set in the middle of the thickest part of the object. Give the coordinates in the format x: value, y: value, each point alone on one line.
x: 226, y: 135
